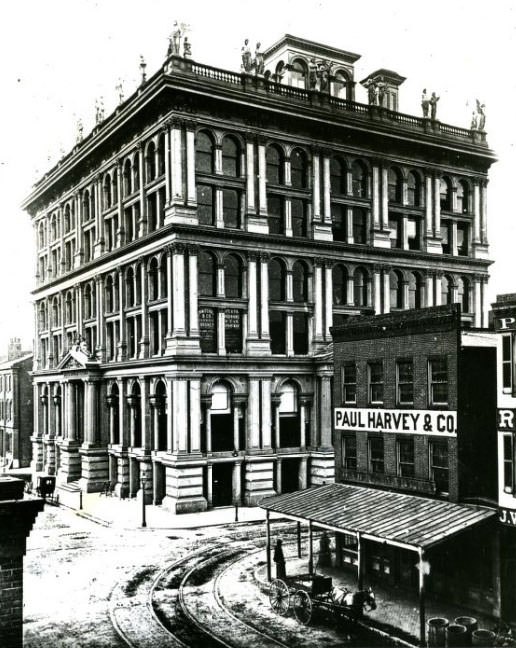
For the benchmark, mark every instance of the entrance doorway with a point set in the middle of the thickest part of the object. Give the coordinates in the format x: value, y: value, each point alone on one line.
x: 222, y: 489
x: 289, y: 475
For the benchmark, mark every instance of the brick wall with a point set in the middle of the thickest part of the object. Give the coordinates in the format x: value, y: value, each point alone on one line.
x: 11, y: 602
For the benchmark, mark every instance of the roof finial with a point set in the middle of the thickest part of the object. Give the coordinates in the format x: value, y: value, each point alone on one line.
x: 80, y: 131
x: 143, y: 67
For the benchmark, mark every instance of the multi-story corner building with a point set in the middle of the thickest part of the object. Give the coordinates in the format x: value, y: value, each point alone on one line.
x: 195, y: 248
x: 16, y: 407
x: 415, y: 398
x: 504, y: 321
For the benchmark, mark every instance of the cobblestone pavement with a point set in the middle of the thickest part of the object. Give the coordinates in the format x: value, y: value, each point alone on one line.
x: 73, y: 564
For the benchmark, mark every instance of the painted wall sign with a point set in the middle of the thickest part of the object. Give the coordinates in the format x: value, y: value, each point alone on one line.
x: 506, y: 419
x: 391, y: 420
x: 507, y: 516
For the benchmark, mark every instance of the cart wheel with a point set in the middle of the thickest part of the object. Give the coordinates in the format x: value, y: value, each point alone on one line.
x: 279, y: 596
x: 302, y: 607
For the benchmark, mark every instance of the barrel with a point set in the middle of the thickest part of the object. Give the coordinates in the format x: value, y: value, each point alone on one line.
x: 437, y: 632
x: 456, y: 635
x: 484, y: 638
x: 470, y: 623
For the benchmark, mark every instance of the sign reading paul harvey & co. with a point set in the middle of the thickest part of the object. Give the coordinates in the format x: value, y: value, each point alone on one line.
x: 354, y: 419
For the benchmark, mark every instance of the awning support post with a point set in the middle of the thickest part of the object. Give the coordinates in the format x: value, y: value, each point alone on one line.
x: 310, y: 548
x: 299, y: 539
x: 268, y: 544
x: 360, y: 562
x: 422, y: 622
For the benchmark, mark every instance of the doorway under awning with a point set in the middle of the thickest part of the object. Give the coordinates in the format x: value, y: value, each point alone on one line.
x: 398, y: 519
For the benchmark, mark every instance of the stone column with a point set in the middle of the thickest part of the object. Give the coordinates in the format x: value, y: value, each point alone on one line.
x: 266, y: 413
x: 483, y: 212
x: 195, y: 415
x: 303, y: 473
x: 170, y: 296
x: 290, y: 335
x: 376, y: 202
x: 91, y: 408
x: 476, y: 212
x: 350, y: 237
x: 209, y: 484
x: 191, y: 196
x: 386, y: 290
x: 318, y: 337
x: 288, y: 218
x: 221, y: 330
x: 236, y: 483
x: 328, y: 300
x: 168, y: 174
x: 384, y: 217
x: 142, y: 223
x: 279, y: 488
x: 325, y: 423
x: 252, y: 316
x: 437, y: 288
x: 121, y: 315
x: 100, y: 319
x: 326, y: 189
x: 71, y: 413
x: 429, y: 292
x: 253, y: 442
x: 262, y: 176
x: 377, y: 289
x: 437, y: 206
x: 264, y: 294
x: 170, y: 414
x: 250, y: 175
x: 237, y: 412
x: 193, y: 328
x: 478, y: 301
x: 302, y: 423
x: 176, y: 162
x: 275, y: 405
x: 144, y: 340
x: 429, y: 200
x: 180, y: 414
x: 316, y: 186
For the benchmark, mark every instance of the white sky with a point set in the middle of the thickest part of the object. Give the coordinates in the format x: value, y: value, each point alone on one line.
x: 57, y: 56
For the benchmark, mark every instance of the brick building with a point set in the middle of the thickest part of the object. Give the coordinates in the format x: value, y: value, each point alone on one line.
x: 415, y: 413
x: 195, y: 248
x: 16, y: 408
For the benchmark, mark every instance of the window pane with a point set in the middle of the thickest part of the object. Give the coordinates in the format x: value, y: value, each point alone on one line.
x: 232, y: 277
x: 338, y: 218
x: 274, y: 166
x: 277, y: 331
x: 359, y: 225
x: 299, y: 283
x: 276, y: 281
x: 229, y: 157
x: 349, y: 452
x: 231, y: 208
x: 298, y: 169
x: 349, y: 383
x: 298, y: 210
x: 203, y: 153
x: 208, y: 330
x: 233, y: 330
x: 300, y: 325
x: 376, y: 382
x: 205, y: 204
x: 275, y: 214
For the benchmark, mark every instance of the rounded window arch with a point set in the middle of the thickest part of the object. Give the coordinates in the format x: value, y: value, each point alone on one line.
x: 360, y: 287
x: 67, y: 218
x: 298, y: 169
x: 109, y: 291
x: 359, y: 179
x: 160, y: 434
x: 207, y: 275
x: 130, y: 287
x: 69, y: 307
x: 88, y: 295
x: 413, y: 189
x: 275, y: 165
x: 462, y: 197
x: 339, y: 85
x: 56, y: 319
x: 340, y: 285
x: 135, y: 402
x: 298, y: 73
x: 279, y: 72
x: 161, y: 154
x: 42, y: 316
x: 415, y: 290
x: 395, y: 185
x: 463, y: 291
x: 445, y: 192
x: 53, y: 227
x: 86, y: 205
x: 230, y: 156
x: 204, y: 153
x: 232, y: 276
x: 276, y: 280
x: 338, y: 176
x: 446, y: 290
x: 107, y: 191
x: 128, y: 172
x: 41, y: 235
x: 150, y: 162
x: 396, y: 288
x: 153, y: 277
x: 299, y: 282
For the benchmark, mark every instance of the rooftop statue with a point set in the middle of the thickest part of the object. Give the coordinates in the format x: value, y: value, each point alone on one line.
x: 474, y: 121
x: 143, y: 67
x: 259, y: 64
x: 433, y: 105
x: 312, y: 74
x: 372, y: 92
x: 381, y: 93
x: 175, y: 39
x: 425, y: 104
x: 80, y: 131
x: 120, y: 89
x: 246, y: 57
x: 187, y: 48
x: 99, y: 110
x: 324, y: 76
x: 481, y: 110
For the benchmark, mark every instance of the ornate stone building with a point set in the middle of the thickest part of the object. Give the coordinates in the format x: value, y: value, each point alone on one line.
x: 195, y: 248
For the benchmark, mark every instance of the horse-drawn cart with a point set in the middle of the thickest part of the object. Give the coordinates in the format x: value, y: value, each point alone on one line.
x: 306, y: 592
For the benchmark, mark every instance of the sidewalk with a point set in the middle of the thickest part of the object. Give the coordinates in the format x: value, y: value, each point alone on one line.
x: 127, y: 514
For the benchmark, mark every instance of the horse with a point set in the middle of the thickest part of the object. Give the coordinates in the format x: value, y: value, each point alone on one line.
x: 356, y: 602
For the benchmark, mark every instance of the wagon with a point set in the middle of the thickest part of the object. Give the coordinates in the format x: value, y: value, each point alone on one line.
x: 305, y: 592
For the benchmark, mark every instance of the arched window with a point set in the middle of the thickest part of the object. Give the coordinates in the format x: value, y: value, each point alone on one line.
x: 153, y: 279
x: 204, y: 158
x: 232, y: 276
x: 107, y: 191
x: 136, y: 174
x: 138, y: 285
x: 279, y: 72
x: 69, y: 308
x: 53, y: 227
x: 339, y: 85
x: 114, y: 187
x: 55, y: 312
x: 396, y: 289
x: 207, y: 275
x: 290, y: 431
x: 340, y: 285
x: 221, y: 414
x: 127, y: 177
x: 359, y: 225
x: 413, y: 189
x: 113, y: 400
x: 42, y: 316
x: 276, y: 280
x: 338, y: 175
x: 109, y: 294
x: 463, y: 294
x: 150, y: 162
x: 160, y: 435
x: 230, y: 157
x: 299, y: 282
x: 359, y: 173
x: 298, y: 74
x: 274, y: 159
x: 129, y: 287
x: 395, y: 182
x: 445, y: 191
x: 86, y: 206
x: 88, y: 292
x: 446, y: 290
x: 298, y: 169
x: 161, y: 154
x: 67, y: 221
x: 163, y: 278
x: 360, y: 287
x: 41, y: 235
x: 135, y: 402
x: 462, y: 197
x: 415, y: 290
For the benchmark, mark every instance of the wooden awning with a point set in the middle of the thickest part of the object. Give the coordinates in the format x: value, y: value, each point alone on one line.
x: 402, y: 520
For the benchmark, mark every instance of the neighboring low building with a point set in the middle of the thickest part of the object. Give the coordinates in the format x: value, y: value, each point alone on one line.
x: 16, y: 409
x: 504, y: 321
x: 415, y: 405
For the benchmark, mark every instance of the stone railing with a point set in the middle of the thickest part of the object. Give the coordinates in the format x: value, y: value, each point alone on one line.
x: 394, y: 481
x: 252, y: 83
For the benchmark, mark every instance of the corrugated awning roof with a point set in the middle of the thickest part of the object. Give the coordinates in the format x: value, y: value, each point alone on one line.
x: 403, y: 520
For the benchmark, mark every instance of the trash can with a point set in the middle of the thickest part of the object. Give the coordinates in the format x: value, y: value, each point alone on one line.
x: 456, y: 635
x: 484, y: 638
x: 437, y: 632
x: 470, y: 623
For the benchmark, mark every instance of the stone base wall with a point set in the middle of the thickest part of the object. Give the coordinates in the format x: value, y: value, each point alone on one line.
x: 258, y: 481
x: 184, y: 489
